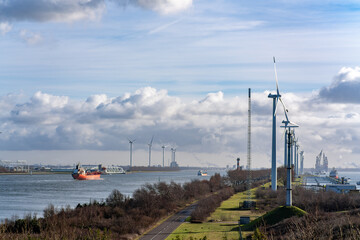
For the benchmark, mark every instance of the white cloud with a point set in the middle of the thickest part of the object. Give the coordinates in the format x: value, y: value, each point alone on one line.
x: 165, y: 6
x: 74, y: 10
x: 51, y: 10
x: 211, y: 125
x: 30, y: 37
x: 345, y: 87
x: 161, y: 6
x: 5, y: 27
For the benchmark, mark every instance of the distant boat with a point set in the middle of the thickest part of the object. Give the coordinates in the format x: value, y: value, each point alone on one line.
x: 112, y: 170
x: 202, y: 173
x: 334, y: 174
x: 80, y: 173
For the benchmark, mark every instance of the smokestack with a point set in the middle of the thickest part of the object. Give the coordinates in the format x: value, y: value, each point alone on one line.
x: 238, y: 164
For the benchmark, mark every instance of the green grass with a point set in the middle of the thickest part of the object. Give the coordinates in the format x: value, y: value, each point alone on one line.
x: 229, y: 210
x: 274, y: 216
x: 222, y: 224
x: 211, y: 230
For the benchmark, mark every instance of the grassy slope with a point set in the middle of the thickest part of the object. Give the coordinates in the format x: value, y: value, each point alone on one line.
x: 274, y: 216
x: 223, y: 222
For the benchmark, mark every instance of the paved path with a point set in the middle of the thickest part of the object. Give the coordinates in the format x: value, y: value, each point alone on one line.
x: 162, y: 231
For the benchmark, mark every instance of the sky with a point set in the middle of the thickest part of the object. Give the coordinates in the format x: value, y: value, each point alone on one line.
x: 80, y: 77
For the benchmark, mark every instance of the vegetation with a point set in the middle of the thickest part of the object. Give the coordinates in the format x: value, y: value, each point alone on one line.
x: 336, y: 225
x: 308, y: 200
x: 223, y: 222
x: 209, y: 204
x: 276, y: 215
x: 238, y: 178
x: 330, y: 215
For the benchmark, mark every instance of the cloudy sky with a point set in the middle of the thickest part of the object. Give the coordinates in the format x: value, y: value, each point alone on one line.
x: 79, y: 77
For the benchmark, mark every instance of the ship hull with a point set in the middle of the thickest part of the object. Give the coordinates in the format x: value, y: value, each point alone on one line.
x: 86, y: 176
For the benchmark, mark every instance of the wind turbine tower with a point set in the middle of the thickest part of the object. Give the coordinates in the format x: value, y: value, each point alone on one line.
x: 285, y: 148
x: 295, y: 154
x: 163, y: 148
x: 290, y: 141
x: 297, y: 157
x: 150, y: 145
x: 302, y: 162
x: 174, y: 154
x: 276, y: 98
x: 131, y: 143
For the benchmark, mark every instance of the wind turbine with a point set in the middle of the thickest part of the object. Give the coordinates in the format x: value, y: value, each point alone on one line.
x: 276, y: 98
x: 163, y: 147
x: 295, y: 146
x: 173, y: 150
x: 150, y: 145
x: 302, y: 162
x: 290, y: 140
x: 131, y: 143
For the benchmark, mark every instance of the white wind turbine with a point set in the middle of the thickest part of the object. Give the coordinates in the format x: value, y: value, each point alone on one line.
x: 173, y: 151
x: 131, y: 143
x: 163, y: 147
x: 150, y: 145
x: 276, y: 98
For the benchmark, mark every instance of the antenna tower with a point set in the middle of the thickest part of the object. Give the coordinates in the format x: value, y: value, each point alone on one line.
x: 249, y: 150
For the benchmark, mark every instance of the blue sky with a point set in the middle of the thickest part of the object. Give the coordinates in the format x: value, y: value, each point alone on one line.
x: 57, y: 56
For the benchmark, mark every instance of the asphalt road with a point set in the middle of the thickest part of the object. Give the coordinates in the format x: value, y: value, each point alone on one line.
x: 162, y: 231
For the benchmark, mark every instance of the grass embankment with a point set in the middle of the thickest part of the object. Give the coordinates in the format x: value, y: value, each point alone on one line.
x: 222, y: 224
x: 274, y: 216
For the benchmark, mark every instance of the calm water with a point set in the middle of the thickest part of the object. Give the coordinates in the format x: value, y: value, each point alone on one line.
x: 354, y: 177
x: 22, y: 194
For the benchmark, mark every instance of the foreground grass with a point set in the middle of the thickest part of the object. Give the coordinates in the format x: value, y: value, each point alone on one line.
x: 276, y: 215
x: 209, y: 230
x: 229, y: 209
x: 222, y: 224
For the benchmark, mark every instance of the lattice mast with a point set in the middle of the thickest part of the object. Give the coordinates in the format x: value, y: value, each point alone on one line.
x: 249, y: 149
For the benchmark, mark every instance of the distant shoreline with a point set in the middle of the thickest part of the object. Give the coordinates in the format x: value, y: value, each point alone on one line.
x: 31, y: 173
x: 136, y: 170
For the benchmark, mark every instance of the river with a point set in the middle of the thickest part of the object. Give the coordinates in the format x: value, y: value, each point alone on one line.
x: 24, y: 194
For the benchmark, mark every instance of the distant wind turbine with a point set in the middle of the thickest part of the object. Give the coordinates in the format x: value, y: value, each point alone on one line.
x: 131, y: 143
x: 173, y: 150
x: 150, y: 145
x: 276, y: 98
x: 163, y: 147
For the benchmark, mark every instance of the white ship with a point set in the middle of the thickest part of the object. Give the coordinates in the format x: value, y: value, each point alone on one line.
x: 112, y: 170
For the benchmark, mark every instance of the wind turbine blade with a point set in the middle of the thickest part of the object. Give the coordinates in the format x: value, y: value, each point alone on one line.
x: 152, y: 140
x: 282, y: 102
x: 276, y: 79
x: 294, y: 124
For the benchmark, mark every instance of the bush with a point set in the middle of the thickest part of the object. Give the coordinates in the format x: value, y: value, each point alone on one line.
x: 206, y: 206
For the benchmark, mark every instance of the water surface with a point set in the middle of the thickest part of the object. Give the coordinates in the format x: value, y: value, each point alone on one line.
x: 23, y: 194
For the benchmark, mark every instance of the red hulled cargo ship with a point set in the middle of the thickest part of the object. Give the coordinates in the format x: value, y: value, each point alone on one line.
x: 82, y: 174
